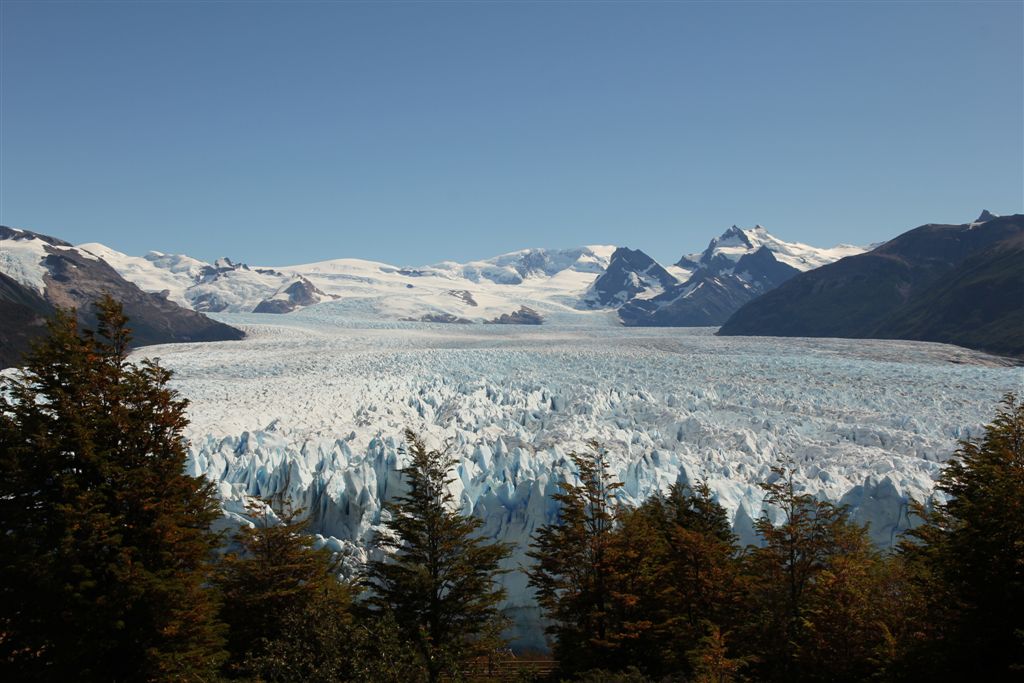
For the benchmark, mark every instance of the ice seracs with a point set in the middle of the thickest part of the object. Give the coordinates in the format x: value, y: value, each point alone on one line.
x: 312, y: 408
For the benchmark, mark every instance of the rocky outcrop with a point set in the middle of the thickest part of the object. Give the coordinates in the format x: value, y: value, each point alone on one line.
x: 298, y: 294
x: 524, y: 316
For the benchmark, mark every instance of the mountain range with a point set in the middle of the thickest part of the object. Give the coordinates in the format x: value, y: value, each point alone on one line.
x: 39, y: 273
x: 624, y: 284
x: 957, y: 284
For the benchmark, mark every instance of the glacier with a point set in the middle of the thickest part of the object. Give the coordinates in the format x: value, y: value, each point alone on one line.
x: 311, y: 408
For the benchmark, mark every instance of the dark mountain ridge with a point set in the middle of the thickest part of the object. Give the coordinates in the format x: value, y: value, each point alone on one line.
x: 957, y: 284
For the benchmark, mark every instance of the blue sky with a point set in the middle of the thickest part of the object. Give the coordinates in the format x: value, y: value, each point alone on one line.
x: 281, y: 133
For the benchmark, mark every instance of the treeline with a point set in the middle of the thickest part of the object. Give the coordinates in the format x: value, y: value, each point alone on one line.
x: 109, y: 568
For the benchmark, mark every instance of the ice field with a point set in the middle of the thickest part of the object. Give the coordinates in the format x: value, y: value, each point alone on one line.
x: 312, y: 406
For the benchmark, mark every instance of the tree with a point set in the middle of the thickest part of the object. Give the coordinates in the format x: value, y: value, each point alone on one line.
x: 438, y: 577
x: 573, y: 573
x: 815, y: 608
x: 104, y: 555
x: 289, y: 616
x: 688, y: 556
x: 711, y: 662
x: 967, y: 557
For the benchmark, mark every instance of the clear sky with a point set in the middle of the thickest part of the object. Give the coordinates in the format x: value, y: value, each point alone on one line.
x: 282, y: 133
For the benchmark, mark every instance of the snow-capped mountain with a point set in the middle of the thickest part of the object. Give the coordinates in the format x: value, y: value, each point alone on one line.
x: 563, y: 284
x: 546, y: 282
x: 959, y: 284
x: 298, y: 293
x: 723, y: 252
x: 736, y: 267
x: 221, y: 286
x: 630, y: 274
x: 40, y: 273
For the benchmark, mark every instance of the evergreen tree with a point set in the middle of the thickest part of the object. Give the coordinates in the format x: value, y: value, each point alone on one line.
x: 968, y: 558
x: 289, y: 616
x: 104, y: 555
x: 438, y: 579
x: 573, y: 571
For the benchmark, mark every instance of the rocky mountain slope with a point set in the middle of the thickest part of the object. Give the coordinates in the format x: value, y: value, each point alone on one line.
x: 736, y: 267
x: 39, y: 272
x: 958, y: 284
x: 630, y: 274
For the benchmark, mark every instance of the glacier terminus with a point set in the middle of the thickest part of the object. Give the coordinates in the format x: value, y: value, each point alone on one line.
x: 311, y: 408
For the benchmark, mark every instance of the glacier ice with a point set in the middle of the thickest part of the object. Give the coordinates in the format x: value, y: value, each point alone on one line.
x: 311, y: 407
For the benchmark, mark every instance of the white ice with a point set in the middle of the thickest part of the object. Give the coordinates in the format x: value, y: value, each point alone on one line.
x: 312, y: 407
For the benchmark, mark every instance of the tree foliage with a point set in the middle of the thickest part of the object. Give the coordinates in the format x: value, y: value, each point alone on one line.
x: 814, y: 591
x: 968, y: 557
x: 694, y: 579
x: 104, y: 555
x: 437, y: 580
x: 289, y: 616
x: 572, y: 574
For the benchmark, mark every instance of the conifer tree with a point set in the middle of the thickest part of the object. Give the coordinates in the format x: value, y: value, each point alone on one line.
x: 104, y: 555
x: 289, y: 616
x: 968, y: 558
x: 438, y: 577
x: 573, y: 571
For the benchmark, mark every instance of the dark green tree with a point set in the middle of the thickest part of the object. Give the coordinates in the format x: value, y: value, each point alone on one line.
x: 104, y: 555
x: 573, y: 571
x: 289, y: 616
x: 968, y: 558
x: 437, y: 580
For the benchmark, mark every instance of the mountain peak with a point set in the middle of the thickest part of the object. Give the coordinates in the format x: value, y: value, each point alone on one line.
x: 630, y: 273
x: 734, y: 236
x: 986, y: 215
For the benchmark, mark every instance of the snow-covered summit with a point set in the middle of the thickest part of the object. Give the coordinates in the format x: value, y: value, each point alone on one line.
x: 517, y: 266
x: 547, y: 280
x: 39, y: 274
x: 568, y: 284
x: 736, y: 267
x: 23, y: 255
x: 630, y: 274
x: 736, y: 242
